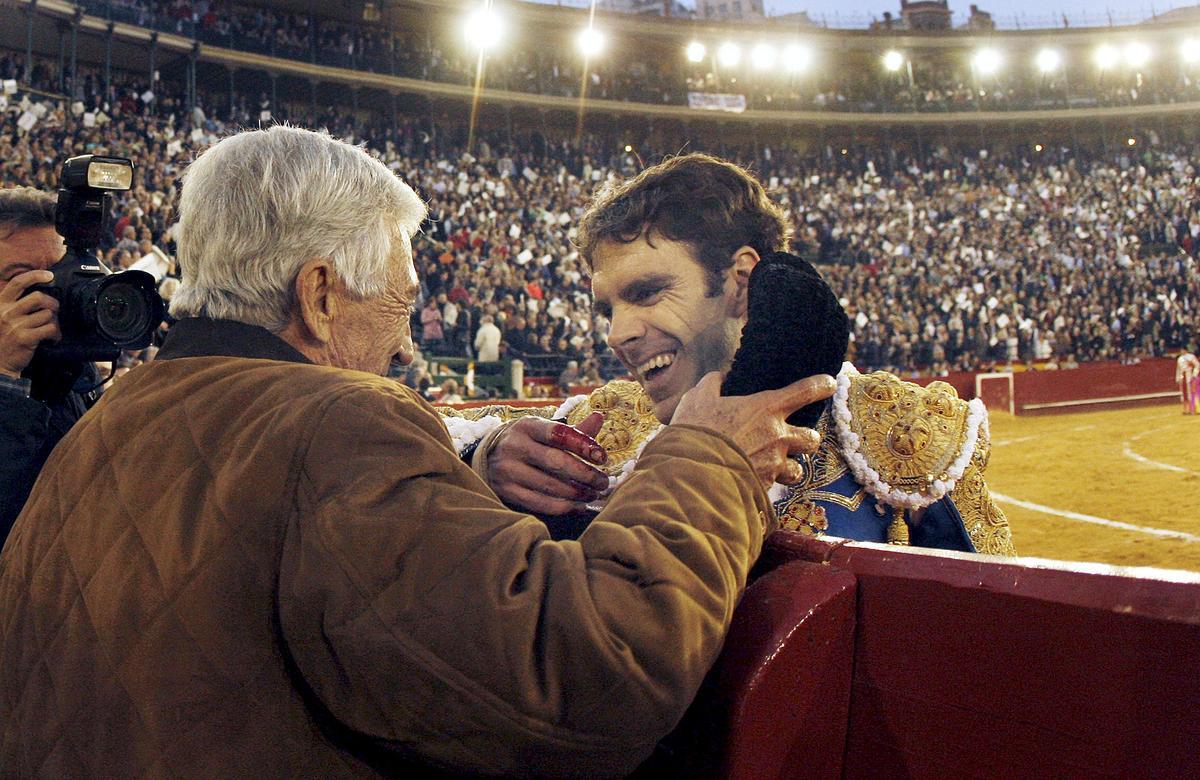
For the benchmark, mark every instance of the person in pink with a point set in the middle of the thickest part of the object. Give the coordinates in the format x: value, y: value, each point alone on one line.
x: 1187, y: 376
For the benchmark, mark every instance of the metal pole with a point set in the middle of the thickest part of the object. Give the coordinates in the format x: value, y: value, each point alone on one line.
x: 29, y: 43
x: 274, y: 97
x: 62, y: 57
x: 108, y: 42
x: 195, y: 55
x: 232, y: 101
x: 153, y: 57
x: 75, y: 50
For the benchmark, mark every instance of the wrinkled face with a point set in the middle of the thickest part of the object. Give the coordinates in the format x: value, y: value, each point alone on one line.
x: 665, y: 328
x: 375, y: 332
x: 28, y: 249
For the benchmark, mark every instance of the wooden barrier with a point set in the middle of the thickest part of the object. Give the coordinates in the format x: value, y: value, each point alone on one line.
x: 1107, y: 385
x: 961, y: 666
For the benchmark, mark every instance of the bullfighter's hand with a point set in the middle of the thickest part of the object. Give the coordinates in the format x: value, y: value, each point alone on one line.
x: 532, y: 465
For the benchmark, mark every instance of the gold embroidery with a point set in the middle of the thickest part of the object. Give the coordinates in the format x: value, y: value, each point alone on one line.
x: 505, y: 413
x: 909, y: 434
x: 628, y: 421
x: 825, y: 466
x: 985, y: 522
x: 804, y: 516
x: 852, y: 503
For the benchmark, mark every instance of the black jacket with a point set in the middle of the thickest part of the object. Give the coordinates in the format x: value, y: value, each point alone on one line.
x: 29, y: 429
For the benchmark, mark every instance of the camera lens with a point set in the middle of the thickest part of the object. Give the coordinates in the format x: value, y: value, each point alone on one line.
x: 124, y: 311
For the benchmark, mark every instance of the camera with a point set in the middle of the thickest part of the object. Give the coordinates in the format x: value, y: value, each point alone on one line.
x: 100, y: 313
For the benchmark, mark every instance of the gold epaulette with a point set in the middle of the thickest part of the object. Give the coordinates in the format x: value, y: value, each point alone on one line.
x: 911, y: 436
x: 505, y: 413
x: 629, y: 420
x: 925, y: 442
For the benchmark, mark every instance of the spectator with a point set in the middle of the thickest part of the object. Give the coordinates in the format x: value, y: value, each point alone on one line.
x: 568, y: 378
x: 450, y: 393
x: 40, y: 403
x: 487, y: 340
x: 431, y: 327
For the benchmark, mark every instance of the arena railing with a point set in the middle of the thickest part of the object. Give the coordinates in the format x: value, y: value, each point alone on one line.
x: 369, y: 72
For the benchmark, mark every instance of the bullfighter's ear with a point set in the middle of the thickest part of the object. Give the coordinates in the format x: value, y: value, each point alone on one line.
x: 745, y: 258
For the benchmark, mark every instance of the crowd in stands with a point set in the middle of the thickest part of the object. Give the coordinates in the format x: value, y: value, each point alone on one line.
x: 951, y: 260
x: 642, y: 74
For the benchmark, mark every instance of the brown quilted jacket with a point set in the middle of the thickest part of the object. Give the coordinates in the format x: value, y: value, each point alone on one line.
x: 240, y: 564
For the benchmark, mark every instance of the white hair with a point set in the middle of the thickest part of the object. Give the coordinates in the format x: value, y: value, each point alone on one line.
x: 257, y: 206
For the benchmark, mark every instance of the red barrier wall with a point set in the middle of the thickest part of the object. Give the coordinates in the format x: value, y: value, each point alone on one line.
x: 1094, y: 386
x: 975, y: 666
x: 1109, y: 385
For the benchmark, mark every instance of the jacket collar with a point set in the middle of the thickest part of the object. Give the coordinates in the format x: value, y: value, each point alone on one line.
x: 202, y: 337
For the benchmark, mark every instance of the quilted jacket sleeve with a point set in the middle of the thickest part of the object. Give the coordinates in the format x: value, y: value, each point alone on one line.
x: 432, y: 620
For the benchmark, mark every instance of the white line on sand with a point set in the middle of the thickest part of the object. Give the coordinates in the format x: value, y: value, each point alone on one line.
x: 1128, y: 452
x: 1018, y: 440
x: 1095, y: 520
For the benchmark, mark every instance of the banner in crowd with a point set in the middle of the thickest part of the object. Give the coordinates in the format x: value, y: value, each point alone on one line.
x: 714, y: 101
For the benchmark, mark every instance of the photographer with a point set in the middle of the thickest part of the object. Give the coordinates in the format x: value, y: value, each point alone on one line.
x: 33, y: 416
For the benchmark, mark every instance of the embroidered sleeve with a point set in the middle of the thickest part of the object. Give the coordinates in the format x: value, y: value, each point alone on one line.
x: 985, y: 522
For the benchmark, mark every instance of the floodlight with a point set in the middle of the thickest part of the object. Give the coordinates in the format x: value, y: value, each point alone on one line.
x: 1190, y: 50
x: 1048, y: 60
x: 730, y: 54
x: 1106, y: 56
x: 591, y: 41
x: 797, y: 57
x: 1131, y: 141
x: 1037, y: 147
x: 1137, y: 54
x: 483, y: 29
x: 763, y: 56
x: 893, y: 61
x: 628, y: 148
x: 696, y: 51
x: 987, y: 61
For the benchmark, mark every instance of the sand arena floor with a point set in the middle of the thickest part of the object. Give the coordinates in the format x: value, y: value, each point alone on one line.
x: 1119, y: 487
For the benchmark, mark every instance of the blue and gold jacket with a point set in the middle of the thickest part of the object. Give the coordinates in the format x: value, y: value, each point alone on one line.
x: 897, y: 463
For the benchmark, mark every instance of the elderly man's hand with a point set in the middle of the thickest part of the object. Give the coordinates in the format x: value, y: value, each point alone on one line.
x: 531, y: 468
x: 757, y: 423
x: 25, y: 321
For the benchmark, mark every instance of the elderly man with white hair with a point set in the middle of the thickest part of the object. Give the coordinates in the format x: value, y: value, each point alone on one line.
x: 257, y: 557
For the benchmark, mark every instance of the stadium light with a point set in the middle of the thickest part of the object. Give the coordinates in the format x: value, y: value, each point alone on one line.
x: 1131, y: 141
x: 696, y: 51
x: 763, y: 56
x: 483, y: 29
x: 1106, y: 56
x: 1038, y: 147
x: 730, y: 54
x: 1190, y: 51
x: 893, y: 61
x: 797, y: 57
x: 590, y: 41
x: 1137, y: 54
x: 1048, y: 60
x: 987, y: 61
